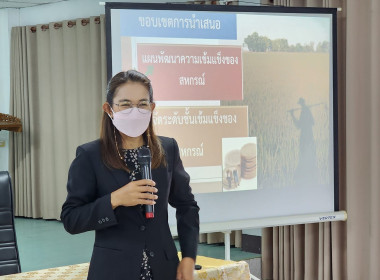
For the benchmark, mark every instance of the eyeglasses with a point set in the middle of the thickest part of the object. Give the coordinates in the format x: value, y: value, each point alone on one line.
x: 126, y: 107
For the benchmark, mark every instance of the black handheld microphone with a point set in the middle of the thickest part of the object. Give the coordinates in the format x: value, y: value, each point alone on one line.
x: 144, y: 159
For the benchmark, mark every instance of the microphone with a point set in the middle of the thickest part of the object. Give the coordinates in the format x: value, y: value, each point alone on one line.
x: 144, y: 159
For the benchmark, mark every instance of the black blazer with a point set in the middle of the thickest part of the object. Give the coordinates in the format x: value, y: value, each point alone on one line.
x: 123, y: 233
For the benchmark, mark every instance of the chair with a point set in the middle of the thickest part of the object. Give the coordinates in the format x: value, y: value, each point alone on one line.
x: 9, y: 257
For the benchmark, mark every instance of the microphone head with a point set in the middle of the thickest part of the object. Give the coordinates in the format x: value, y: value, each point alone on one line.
x: 143, y: 156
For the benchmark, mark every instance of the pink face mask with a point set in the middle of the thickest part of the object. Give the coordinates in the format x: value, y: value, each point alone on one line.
x: 132, y: 122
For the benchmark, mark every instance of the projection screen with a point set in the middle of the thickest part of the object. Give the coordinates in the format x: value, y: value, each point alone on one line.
x: 249, y: 93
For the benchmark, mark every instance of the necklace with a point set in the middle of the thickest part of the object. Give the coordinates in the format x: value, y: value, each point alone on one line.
x: 117, y: 147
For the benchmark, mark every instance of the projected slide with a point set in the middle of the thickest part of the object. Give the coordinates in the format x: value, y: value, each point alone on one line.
x: 248, y: 96
x: 197, y: 72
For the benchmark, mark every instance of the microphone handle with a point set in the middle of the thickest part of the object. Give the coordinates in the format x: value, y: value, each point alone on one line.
x: 147, y: 174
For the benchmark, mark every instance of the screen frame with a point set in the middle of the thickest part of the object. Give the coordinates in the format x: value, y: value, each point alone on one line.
x: 242, y: 8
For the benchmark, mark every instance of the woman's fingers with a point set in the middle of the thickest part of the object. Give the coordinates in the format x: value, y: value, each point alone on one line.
x: 148, y: 196
x: 134, y: 193
x: 144, y: 189
x: 145, y: 182
x: 145, y: 192
x: 145, y: 201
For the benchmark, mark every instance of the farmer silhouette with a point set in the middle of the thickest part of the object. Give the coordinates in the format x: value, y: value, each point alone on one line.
x: 306, y: 171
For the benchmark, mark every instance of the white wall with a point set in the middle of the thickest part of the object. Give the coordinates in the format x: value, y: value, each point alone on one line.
x: 4, y: 61
x: 8, y: 18
x: 67, y: 10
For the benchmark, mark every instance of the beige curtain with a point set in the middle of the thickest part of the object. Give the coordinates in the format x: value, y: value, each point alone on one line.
x: 363, y: 138
x: 314, y: 251
x: 58, y: 76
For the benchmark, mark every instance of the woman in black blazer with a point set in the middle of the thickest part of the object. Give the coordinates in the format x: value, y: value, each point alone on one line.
x: 106, y: 192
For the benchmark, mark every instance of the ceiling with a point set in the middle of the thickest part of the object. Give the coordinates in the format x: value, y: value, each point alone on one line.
x: 25, y: 3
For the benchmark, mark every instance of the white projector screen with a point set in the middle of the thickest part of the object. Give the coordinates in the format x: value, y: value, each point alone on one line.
x: 249, y: 93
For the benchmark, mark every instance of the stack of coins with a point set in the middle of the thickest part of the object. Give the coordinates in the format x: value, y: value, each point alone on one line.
x: 248, y: 161
x: 231, y: 171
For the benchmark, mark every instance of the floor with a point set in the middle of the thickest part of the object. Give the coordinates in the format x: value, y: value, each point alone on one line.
x: 45, y: 244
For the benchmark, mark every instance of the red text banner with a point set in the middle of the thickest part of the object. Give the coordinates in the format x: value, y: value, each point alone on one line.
x: 199, y: 130
x: 192, y: 72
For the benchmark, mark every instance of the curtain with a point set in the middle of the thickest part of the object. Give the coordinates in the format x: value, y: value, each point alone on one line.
x: 314, y: 251
x: 363, y: 138
x: 58, y: 76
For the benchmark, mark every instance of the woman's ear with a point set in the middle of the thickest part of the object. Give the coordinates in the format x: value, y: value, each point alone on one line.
x: 107, y: 109
x: 152, y: 106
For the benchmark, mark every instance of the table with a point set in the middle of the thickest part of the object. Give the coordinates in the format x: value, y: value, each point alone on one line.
x: 214, y: 269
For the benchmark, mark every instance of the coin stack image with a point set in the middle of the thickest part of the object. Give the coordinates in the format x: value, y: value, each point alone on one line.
x: 231, y: 172
x: 248, y: 161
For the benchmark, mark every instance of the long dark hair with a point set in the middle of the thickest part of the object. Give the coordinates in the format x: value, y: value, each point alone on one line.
x: 110, y: 137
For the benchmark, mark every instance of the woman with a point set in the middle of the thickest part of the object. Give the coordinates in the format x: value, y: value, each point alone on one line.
x: 106, y: 192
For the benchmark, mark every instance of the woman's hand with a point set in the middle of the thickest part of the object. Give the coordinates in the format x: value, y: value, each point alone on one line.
x: 134, y: 193
x: 185, y: 270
